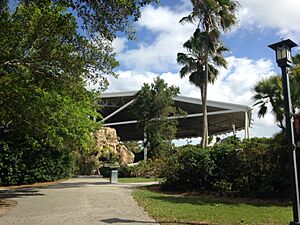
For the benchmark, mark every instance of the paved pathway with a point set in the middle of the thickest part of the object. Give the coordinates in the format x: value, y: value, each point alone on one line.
x: 80, y: 201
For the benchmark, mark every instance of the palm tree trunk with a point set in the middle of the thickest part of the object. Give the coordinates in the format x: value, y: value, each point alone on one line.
x: 204, y: 100
x: 204, y: 141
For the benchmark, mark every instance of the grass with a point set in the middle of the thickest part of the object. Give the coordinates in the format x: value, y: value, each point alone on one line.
x: 197, y: 209
x: 136, y: 179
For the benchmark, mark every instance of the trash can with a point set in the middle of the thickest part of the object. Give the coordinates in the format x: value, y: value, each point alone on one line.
x: 114, y: 177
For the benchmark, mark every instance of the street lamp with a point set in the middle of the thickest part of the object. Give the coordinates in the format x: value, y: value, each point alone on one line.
x: 283, y: 59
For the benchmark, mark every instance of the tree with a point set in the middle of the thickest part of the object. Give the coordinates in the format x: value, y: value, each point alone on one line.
x: 44, y: 65
x: 212, y: 16
x: 152, y: 106
x: 269, y: 92
x: 102, y: 18
x: 192, y: 61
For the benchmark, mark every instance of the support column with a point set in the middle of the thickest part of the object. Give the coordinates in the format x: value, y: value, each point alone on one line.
x: 247, y: 124
x: 233, y: 129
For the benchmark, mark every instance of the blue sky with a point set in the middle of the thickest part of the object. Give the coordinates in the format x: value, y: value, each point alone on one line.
x: 160, y: 37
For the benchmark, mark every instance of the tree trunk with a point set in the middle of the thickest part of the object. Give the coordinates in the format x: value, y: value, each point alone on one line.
x: 204, y: 141
x: 204, y: 103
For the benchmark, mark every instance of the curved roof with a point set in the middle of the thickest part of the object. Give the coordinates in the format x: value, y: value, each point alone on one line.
x: 222, y: 117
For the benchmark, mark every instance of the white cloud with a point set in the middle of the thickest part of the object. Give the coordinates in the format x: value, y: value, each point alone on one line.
x: 281, y: 15
x: 168, y: 37
x: 235, y: 84
x: 119, y: 44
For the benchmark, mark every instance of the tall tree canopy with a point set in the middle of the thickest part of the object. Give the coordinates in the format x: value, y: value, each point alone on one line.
x: 44, y: 103
x: 101, y: 17
x: 43, y: 67
x: 212, y: 16
x: 152, y: 106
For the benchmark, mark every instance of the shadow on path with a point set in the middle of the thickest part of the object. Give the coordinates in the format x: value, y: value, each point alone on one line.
x: 19, y: 193
x: 79, y: 182
x: 213, y: 201
x: 119, y: 220
x: 35, y: 190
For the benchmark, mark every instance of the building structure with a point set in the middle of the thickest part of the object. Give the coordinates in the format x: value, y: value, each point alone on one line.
x: 222, y: 117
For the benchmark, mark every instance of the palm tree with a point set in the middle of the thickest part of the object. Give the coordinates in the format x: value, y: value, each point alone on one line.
x: 194, y: 64
x: 268, y: 92
x: 212, y: 17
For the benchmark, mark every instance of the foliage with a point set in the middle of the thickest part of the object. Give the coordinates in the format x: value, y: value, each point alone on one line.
x: 105, y: 17
x: 192, y: 61
x: 213, y: 14
x: 189, y: 169
x: 26, y: 161
x: 145, y: 168
x: 268, y: 92
x: 205, y: 46
x: 126, y: 171
x: 133, y: 146
x: 152, y: 106
x: 44, y: 65
x: 256, y: 167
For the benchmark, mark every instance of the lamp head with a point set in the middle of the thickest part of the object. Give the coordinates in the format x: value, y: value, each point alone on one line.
x: 283, y: 51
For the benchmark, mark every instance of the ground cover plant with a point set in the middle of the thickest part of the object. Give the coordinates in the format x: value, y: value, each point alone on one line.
x: 204, y: 209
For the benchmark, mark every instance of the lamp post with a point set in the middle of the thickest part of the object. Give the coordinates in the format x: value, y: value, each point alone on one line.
x: 283, y: 59
x: 297, y: 129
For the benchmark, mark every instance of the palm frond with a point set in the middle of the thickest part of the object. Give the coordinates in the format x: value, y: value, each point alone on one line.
x: 197, y: 78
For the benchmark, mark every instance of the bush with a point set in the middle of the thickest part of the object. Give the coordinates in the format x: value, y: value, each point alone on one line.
x: 148, y: 168
x: 190, y: 169
x: 257, y: 167
x: 25, y: 162
x: 126, y: 171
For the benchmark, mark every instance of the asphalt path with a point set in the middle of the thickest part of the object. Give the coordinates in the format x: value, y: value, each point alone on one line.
x: 87, y: 200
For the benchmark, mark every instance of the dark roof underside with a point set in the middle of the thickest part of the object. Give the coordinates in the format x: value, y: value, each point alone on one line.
x: 220, y: 119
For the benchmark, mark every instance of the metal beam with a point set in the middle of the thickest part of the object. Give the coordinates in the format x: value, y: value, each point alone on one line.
x: 118, y: 110
x: 175, y: 117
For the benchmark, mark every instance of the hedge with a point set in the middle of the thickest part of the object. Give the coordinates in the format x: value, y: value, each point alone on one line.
x: 256, y: 167
x: 24, y: 163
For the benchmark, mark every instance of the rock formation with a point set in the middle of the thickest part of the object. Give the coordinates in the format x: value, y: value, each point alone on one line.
x: 110, y: 148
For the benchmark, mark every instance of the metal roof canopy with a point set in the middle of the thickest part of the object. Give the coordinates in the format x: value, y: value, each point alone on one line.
x: 222, y: 117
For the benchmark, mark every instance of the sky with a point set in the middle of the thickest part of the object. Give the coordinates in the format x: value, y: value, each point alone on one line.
x: 160, y: 37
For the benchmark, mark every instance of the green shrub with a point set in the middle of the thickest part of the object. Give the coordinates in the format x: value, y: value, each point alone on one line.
x: 126, y: 171
x: 190, y: 169
x: 148, y: 168
x: 257, y: 167
x: 27, y: 162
